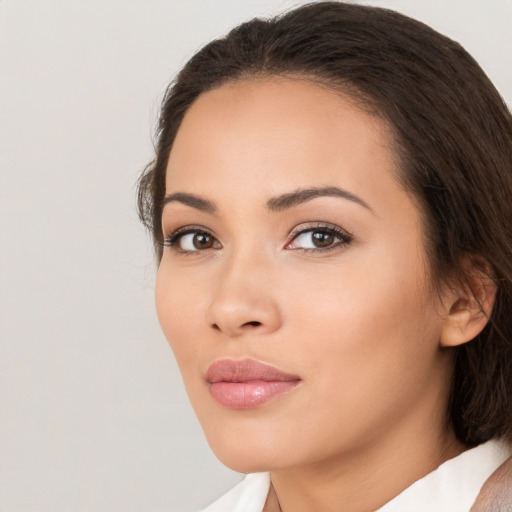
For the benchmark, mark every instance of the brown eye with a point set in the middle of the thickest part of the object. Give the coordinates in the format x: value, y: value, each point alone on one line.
x: 192, y: 240
x: 202, y: 241
x: 322, y: 239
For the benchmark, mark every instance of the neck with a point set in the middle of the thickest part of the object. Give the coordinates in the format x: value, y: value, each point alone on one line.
x: 363, y: 481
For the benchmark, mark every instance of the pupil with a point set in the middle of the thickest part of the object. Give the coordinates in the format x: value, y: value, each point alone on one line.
x: 202, y: 241
x: 322, y: 239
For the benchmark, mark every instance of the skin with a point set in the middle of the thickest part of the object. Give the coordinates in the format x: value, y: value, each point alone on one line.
x: 359, y: 323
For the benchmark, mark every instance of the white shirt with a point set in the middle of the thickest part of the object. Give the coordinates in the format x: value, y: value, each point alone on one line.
x: 452, y: 487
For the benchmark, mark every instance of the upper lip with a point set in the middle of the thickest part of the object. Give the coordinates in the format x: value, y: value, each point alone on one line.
x: 244, y: 370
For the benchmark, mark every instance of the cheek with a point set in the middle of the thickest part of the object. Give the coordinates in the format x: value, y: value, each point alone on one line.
x: 369, y: 347
x: 178, y: 310
x: 366, y: 322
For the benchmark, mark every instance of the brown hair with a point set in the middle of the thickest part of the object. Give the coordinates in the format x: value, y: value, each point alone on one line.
x: 454, y: 145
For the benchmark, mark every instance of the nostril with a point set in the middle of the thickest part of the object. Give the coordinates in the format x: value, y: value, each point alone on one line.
x: 248, y: 325
x: 253, y: 324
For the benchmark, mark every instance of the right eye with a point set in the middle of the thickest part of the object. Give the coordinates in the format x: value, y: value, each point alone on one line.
x: 192, y: 240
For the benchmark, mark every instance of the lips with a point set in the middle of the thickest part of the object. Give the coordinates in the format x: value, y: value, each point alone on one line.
x: 246, y: 384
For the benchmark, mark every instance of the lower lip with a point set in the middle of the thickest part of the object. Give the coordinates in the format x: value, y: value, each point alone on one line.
x: 250, y: 394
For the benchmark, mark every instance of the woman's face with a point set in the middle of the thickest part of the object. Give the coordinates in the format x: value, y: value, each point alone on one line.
x: 290, y: 243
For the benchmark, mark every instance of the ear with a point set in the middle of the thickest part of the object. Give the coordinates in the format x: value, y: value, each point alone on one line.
x: 469, y: 304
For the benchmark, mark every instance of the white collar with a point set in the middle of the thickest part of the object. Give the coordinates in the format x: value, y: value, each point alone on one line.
x: 452, y: 487
x: 455, y: 484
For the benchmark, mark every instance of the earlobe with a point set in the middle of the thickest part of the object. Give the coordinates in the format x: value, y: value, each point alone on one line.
x: 469, y: 310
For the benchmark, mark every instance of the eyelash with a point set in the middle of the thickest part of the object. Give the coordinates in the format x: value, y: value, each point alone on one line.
x: 173, y: 239
x: 344, y: 238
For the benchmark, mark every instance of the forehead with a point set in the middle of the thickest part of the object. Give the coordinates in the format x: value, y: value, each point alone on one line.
x: 271, y: 134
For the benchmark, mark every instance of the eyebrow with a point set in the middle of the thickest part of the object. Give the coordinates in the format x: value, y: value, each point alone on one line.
x: 285, y: 201
x: 203, y: 205
x: 275, y: 204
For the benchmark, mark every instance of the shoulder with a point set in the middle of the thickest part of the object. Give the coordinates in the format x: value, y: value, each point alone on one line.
x: 247, y: 496
x: 496, y: 493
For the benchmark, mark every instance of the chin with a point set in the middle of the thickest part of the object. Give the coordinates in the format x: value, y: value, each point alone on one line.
x: 248, y: 450
x: 246, y: 460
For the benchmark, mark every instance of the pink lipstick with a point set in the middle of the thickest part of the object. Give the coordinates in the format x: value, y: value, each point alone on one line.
x: 246, y: 384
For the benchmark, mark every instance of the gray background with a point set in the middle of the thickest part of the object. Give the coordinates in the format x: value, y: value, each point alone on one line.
x: 93, y: 415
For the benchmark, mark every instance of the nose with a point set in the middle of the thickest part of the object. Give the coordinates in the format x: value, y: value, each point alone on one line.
x: 244, y: 300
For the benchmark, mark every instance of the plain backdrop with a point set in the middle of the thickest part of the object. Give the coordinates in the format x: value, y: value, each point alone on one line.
x: 93, y: 415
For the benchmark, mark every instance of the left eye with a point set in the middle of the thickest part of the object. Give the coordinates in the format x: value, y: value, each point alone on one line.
x: 318, y: 238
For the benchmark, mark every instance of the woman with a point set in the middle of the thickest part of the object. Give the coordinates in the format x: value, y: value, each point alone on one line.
x: 330, y: 203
